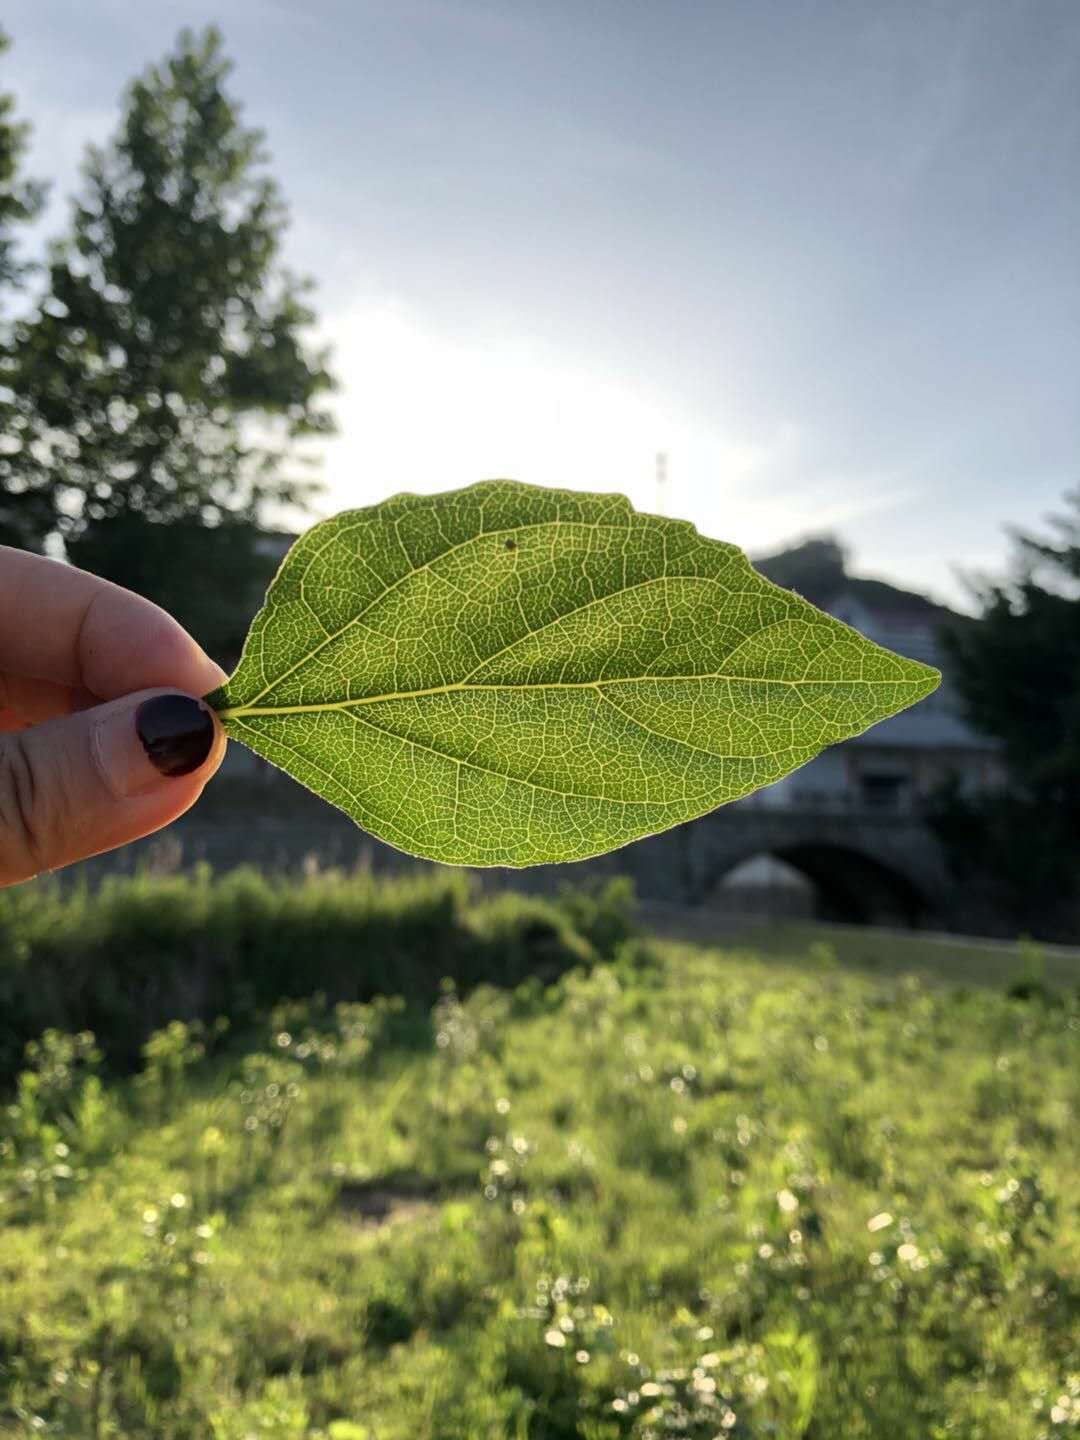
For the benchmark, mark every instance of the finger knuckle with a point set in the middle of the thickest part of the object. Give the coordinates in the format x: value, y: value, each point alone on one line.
x: 27, y: 814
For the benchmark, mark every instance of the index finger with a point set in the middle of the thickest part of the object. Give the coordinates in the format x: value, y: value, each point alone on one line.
x: 64, y: 626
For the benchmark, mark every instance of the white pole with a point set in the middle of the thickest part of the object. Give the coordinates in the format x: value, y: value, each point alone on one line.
x: 661, y: 481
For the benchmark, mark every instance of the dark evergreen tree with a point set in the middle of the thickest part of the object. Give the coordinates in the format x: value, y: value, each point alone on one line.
x: 20, y: 199
x: 1018, y: 670
x: 22, y: 514
x: 161, y: 384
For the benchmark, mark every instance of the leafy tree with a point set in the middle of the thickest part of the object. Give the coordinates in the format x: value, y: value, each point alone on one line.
x: 21, y: 515
x: 165, y: 376
x: 20, y: 200
x: 1018, y: 671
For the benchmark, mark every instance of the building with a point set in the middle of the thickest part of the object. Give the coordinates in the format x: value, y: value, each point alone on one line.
x: 897, y: 764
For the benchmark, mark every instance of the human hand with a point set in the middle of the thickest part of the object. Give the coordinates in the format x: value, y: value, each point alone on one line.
x: 101, y: 740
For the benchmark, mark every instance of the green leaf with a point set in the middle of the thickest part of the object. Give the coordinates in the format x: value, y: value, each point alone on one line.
x: 505, y: 675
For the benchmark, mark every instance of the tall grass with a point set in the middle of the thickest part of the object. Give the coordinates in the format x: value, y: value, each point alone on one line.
x: 686, y: 1194
x: 125, y: 959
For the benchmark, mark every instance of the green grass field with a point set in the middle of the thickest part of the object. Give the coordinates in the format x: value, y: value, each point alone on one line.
x: 686, y: 1192
x: 939, y: 959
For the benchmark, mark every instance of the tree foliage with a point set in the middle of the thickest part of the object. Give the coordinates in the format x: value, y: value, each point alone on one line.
x: 20, y: 199
x: 21, y: 515
x: 163, y: 379
x: 1018, y: 671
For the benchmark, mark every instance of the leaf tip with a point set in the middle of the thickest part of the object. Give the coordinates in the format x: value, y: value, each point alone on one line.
x: 928, y: 678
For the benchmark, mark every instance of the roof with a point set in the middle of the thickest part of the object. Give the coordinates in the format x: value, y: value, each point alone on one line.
x: 817, y: 570
x: 925, y: 727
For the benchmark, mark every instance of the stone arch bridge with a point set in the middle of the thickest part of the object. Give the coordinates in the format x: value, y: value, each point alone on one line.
x: 867, y: 866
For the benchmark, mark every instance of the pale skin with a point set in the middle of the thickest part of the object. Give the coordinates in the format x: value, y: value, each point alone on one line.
x: 78, y: 656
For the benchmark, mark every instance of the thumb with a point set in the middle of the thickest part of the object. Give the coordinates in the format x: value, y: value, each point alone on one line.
x: 88, y: 782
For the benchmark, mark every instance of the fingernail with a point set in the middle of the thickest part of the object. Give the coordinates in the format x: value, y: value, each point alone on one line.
x: 176, y: 731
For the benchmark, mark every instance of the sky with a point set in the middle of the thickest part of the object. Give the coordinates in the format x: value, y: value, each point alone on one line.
x: 824, y: 256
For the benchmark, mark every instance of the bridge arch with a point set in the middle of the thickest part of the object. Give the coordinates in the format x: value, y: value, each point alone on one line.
x: 850, y: 885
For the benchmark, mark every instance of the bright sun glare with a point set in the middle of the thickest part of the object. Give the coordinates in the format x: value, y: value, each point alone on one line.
x: 425, y: 410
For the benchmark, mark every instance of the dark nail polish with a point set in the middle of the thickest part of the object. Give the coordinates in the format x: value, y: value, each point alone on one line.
x: 177, y: 732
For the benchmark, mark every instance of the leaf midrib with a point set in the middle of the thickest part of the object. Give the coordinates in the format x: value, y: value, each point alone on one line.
x: 462, y: 687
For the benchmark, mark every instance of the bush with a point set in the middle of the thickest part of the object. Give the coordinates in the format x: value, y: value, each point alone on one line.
x: 128, y: 958
x: 602, y: 911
